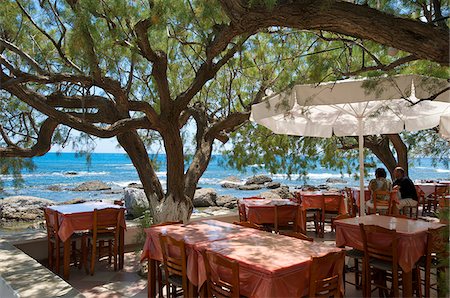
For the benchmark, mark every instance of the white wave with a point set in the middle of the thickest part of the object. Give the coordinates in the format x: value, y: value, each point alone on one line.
x: 443, y: 170
x: 58, y: 174
x: 312, y: 176
x: 256, y: 165
x: 125, y: 183
x: 161, y: 173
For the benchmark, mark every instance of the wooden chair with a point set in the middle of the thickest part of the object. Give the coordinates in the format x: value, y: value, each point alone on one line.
x: 297, y: 235
x: 379, y: 259
x: 380, y: 205
x: 105, y: 229
x: 440, y: 191
x: 251, y: 225
x: 355, y: 254
x: 352, y: 208
x: 317, y: 215
x: 159, y: 271
x: 285, y: 217
x: 54, y: 243
x: 242, y: 213
x: 332, y: 208
x: 329, y: 284
x: 174, y: 265
x: 437, y: 258
x: 421, y: 200
x: 222, y: 275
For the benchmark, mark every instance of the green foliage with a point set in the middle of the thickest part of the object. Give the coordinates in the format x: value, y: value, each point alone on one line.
x: 12, y: 167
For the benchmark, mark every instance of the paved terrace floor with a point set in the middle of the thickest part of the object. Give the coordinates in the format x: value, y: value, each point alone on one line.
x: 128, y: 283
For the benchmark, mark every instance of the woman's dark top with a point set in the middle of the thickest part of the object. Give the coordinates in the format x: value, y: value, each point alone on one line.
x: 407, y: 188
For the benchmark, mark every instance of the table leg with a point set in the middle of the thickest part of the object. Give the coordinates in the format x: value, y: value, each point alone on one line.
x: 407, y: 284
x: 121, y: 247
x: 66, y: 262
x: 151, y: 278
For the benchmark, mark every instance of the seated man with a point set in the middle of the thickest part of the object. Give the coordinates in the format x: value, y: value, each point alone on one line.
x: 379, y: 183
x: 407, y: 190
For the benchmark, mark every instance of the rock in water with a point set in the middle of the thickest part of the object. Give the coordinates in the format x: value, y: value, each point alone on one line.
x: 92, y: 186
x: 259, y: 179
x: 250, y: 187
x: 135, y: 201
x: 23, y: 208
x: 227, y: 202
x: 273, y: 185
x: 335, y: 180
x: 205, y: 197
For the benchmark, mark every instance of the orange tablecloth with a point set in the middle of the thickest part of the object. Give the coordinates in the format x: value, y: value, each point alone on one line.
x: 193, y: 234
x: 412, y: 242
x: 312, y: 200
x: 79, y: 217
x: 270, y: 265
x: 263, y: 211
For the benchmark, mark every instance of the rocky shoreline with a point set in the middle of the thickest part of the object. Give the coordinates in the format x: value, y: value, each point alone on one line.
x: 28, y: 210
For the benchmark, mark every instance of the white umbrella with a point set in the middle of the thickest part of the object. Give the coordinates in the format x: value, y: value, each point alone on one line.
x: 356, y: 108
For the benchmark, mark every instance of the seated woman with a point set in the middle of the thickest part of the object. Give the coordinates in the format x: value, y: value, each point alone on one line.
x: 379, y: 183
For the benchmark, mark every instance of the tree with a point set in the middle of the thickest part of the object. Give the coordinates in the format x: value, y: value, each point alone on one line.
x: 143, y: 71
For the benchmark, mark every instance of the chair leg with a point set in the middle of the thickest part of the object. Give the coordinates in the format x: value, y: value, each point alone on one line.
x: 110, y: 253
x: 57, y: 257
x: 50, y: 254
x: 93, y: 257
x: 357, y: 274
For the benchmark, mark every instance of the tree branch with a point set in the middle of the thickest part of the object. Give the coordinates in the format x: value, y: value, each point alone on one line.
x: 425, y: 41
x: 41, y: 147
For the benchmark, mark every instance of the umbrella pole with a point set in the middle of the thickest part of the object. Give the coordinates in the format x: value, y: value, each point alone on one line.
x: 362, y: 201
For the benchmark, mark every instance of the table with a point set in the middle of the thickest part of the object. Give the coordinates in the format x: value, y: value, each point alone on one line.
x: 79, y: 217
x: 270, y: 265
x: 428, y: 188
x: 311, y: 200
x: 262, y: 211
x: 194, y: 235
x: 412, y: 242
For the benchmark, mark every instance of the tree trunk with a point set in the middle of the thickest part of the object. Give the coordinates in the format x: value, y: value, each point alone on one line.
x: 402, y: 151
x: 173, y: 209
x: 133, y: 145
x: 383, y: 152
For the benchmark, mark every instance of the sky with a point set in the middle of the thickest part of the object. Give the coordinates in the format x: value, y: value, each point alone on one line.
x: 103, y: 146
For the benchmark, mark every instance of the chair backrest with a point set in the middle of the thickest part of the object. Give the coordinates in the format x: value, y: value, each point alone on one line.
x: 51, y: 223
x: 285, y: 216
x: 440, y: 190
x: 241, y: 209
x: 174, y: 258
x: 323, y: 282
x: 297, y: 235
x: 376, y: 198
x: 107, y: 220
x: 222, y: 275
x: 380, y: 243
x: 253, y: 198
x: 332, y: 202
x: 420, y: 193
x: 437, y: 241
x: 351, y: 202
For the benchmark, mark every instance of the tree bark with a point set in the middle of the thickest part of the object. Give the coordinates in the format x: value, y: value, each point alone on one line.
x: 383, y: 152
x: 402, y: 151
x: 425, y: 41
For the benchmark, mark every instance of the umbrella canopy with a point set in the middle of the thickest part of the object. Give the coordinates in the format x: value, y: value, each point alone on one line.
x: 356, y: 108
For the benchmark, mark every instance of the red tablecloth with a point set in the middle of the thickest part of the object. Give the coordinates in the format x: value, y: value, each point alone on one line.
x: 263, y: 211
x: 193, y: 234
x: 79, y: 217
x: 312, y: 200
x: 412, y: 242
x: 270, y: 265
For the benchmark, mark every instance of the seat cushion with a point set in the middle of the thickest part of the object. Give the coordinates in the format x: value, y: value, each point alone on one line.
x: 176, y: 280
x: 380, y: 264
x: 354, y: 253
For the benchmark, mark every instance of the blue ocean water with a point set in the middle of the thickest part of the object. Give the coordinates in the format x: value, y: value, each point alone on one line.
x: 117, y: 171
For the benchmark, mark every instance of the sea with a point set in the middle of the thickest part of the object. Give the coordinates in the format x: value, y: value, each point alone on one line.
x: 67, y: 170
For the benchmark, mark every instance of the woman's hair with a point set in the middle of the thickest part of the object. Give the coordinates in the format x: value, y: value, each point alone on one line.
x: 380, y: 172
